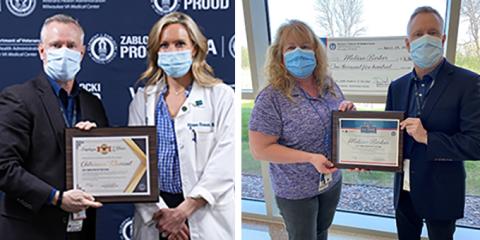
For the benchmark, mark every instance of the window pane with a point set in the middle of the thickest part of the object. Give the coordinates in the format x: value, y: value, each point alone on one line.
x: 370, y: 17
x: 252, y: 181
x: 468, y: 56
x: 244, y: 75
x: 468, y: 44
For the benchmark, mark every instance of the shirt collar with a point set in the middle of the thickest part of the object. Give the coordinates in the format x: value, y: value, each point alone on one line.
x: 56, y: 87
x: 297, y: 91
x: 433, y: 74
x: 75, y: 89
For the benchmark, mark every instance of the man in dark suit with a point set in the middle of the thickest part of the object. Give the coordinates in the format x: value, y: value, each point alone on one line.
x: 442, y: 105
x: 33, y: 117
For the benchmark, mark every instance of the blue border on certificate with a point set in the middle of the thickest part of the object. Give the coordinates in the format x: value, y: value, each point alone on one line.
x: 374, y: 123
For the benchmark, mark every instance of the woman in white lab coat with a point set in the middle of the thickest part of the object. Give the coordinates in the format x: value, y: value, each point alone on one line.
x: 194, y: 115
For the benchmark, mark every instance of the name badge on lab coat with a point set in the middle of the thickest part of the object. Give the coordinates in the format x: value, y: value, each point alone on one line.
x: 201, y: 126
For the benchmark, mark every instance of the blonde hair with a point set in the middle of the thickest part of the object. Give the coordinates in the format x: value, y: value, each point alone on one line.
x: 275, y: 70
x: 202, y: 72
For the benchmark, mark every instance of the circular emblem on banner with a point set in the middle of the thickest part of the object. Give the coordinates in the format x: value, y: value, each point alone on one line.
x: 231, y: 46
x: 126, y: 229
x: 21, y: 8
x: 332, y: 46
x: 163, y: 7
x: 102, y: 48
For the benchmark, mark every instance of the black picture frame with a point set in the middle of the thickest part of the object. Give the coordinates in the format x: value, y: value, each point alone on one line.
x: 362, y: 115
x: 126, y: 132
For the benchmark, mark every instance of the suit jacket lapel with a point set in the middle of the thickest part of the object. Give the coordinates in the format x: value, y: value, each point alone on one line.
x: 441, y: 82
x: 405, y: 95
x: 51, y: 107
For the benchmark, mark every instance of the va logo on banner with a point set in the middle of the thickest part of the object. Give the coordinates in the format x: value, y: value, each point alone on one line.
x: 126, y: 229
x: 231, y: 46
x: 164, y: 7
x: 102, y: 49
x: 332, y: 46
x: 21, y: 8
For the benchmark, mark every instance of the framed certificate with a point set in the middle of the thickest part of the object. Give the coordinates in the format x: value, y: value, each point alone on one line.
x: 367, y: 140
x: 113, y: 164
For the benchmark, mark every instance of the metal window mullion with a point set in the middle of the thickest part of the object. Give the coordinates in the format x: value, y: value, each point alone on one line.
x: 256, y: 28
x: 452, y: 22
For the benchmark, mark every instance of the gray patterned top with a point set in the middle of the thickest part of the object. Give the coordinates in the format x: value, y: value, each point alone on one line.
x: 302, y: 124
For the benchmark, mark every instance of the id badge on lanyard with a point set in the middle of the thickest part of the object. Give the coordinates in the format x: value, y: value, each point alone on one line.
x: 75, y: 221
x: 325, y: 179
x: 406, y: 175
x: 74, y: 115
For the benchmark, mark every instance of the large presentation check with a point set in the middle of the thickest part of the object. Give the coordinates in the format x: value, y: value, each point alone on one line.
x: 367, y: 140
x: 365, y: 66
x: 113, y: 164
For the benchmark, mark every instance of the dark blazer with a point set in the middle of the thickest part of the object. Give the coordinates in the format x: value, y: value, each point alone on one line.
x: 451, y: 117
x: 32, y: 159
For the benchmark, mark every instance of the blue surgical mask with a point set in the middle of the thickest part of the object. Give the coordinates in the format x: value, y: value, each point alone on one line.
x: 426, y: 51
x: 63, y: 64
x: 300, y: 62
x: 175, y: 64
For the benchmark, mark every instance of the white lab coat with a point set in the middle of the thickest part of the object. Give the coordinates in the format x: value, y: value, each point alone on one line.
x: 206, y: 165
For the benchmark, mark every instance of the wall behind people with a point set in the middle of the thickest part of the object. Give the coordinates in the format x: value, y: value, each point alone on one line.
x: 116, y: 34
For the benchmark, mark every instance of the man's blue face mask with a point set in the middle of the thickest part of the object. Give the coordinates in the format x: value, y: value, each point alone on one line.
x: 300, y: 63
x: 175, y: 64
x: 63, y: 64
x: 426, y: 51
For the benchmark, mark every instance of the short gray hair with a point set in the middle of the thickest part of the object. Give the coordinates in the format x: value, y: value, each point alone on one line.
x: 61, y: 18
x: 424, y: 9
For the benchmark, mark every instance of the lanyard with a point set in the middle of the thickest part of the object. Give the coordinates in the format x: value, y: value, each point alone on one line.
x: 420, y: 100
x: 326, y: 135
x: 64, y: 114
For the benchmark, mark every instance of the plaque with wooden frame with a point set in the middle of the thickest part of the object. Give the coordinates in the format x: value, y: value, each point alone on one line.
x: 367, y: 140
x: 113, y: 164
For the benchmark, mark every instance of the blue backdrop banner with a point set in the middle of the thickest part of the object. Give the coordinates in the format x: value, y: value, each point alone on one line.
x: 116, y: 34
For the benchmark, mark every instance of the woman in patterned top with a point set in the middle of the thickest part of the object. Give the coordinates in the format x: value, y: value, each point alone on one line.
x: 290, y: 128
